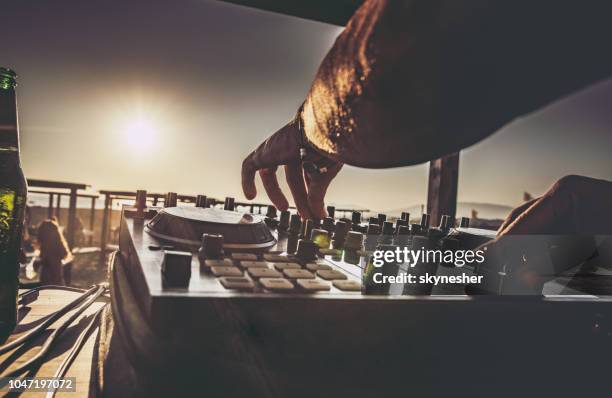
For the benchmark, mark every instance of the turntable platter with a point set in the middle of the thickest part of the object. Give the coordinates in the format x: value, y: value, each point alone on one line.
x: 185, y: 226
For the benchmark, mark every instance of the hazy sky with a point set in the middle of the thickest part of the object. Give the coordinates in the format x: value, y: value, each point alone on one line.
x: 172, y: 95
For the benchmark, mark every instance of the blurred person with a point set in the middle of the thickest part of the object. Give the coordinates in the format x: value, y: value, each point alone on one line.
x: 54, y: 252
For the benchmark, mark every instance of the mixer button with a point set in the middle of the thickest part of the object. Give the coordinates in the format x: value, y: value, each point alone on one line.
x: 218, y: 263
x: 331, y: 275
x: 237, y: 283
x: 313, y: 285
x: 283, y: 266
x: 348, y: 286
x: 276, y: 258
x: 298, y: 274
x: 254, y: 264
x: 244, y: 256
x: 316, y: 266
x: 226, y: 271
x: 276, y: 284
x: 264, y: 273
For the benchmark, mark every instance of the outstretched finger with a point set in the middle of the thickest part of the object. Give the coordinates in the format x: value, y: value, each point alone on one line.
x: 248, y: 177
x: 270, y: 183
x: 295, y: 180
x: 317, y: 188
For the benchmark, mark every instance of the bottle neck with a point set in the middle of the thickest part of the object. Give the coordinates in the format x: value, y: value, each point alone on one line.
x: 9, y: 128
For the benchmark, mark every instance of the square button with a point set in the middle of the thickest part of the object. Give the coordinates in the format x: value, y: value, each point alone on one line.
x: 292, y: 273
x: 347, y: 286
x: 226, y: 271
x: 331, y: 275
x: 313, y: 285
x: 276, y: 258
x: 237, y: 283
x: 282, y: 266
x: 276, y: 284
x: 264, y: 273
x: 254, y: 264
x: 317, y: 266
x: 218, y: 263
x: 244, y: 256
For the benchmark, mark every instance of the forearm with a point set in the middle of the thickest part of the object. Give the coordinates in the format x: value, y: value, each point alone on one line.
x: 407, y: 82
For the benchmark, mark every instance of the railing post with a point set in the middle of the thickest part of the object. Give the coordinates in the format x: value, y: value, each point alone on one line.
x: 105, y: 221
x: 72, y: 217
x: 50, y: 210
x: 92, y: 218
x: 58, y: 203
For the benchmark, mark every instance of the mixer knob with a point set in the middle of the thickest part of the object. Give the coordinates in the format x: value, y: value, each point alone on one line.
x: 201, y: 201
x: 356, y: 217
x: 284, y: 220
x: 465, y: 222
x: 295, y: 224
x: 306, y: 250
x: 320, y: 237
x: 331, y: 211
x: 309, y: 225
x: 176, y: 268
x: 381, y: 218
x: 387, y: 228
x: 445, y: 222
x: 400, y: 223
x: 170, y: 200
x: 211, y: 248
x: 403, y: 233
x: 328, y: 224
x: 403, y: 230
x: 229, y: 204
x: 341, y: 229
x: 271, y: 212
x: 373, y: 229
x: 405, y: 216
x: 354, y: 240
x: 425, y: 221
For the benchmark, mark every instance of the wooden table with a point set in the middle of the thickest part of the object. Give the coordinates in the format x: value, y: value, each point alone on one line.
x: 83, y: 368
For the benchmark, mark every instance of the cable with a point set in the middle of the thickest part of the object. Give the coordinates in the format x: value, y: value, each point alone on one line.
x: 75, y: 349
x: 43, y: 326
x: 55, y: 335
x: 52, y: 287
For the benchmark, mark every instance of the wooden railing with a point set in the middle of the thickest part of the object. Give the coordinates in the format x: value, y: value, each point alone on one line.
x: 71, y: 190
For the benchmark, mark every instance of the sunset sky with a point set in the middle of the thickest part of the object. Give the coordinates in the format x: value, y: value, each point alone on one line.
x: 170, y: 96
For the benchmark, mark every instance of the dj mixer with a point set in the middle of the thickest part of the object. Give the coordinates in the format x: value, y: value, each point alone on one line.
x: 273, y: 306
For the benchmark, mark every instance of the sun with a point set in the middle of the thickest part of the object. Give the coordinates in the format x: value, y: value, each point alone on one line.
x: 140, y: 134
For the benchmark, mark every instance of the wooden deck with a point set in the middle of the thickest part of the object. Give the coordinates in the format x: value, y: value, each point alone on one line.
x: 82, y: 368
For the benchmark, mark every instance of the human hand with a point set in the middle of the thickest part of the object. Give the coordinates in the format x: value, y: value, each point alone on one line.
x: 308, y: 173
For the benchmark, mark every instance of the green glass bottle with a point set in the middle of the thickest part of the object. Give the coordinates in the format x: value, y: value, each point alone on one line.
x: 13, y: 191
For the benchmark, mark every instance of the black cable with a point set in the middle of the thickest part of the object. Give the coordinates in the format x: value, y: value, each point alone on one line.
x: 43, y: 326
x: 55, y: 335
x: 75, y: 349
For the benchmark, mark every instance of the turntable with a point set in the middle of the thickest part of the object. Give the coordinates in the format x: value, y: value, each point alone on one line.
x: 185, y: 226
